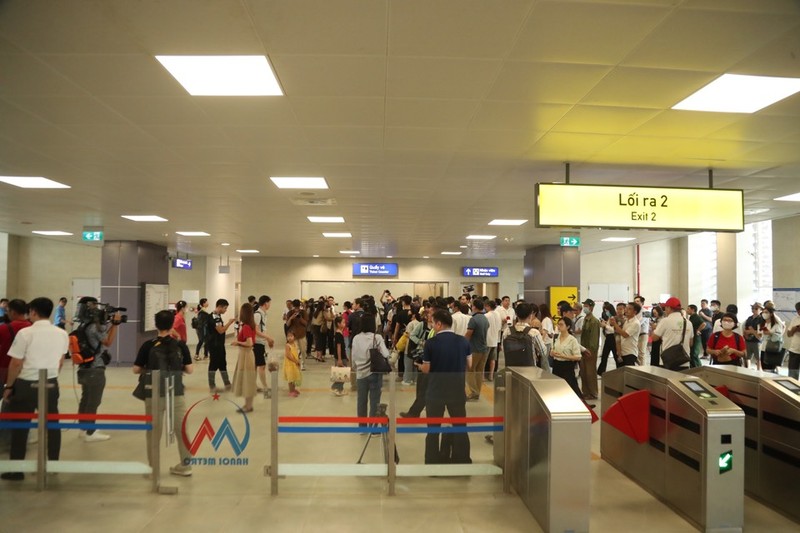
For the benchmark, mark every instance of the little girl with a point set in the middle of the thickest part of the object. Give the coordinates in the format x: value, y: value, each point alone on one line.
x: 291, y: 366
x: 339, y: 354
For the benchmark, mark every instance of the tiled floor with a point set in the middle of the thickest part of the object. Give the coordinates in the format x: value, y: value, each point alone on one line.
x: 237, y: 498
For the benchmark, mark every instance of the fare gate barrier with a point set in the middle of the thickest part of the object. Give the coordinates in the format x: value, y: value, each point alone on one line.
x: 679, y: 439
x: 771, y: 404
x: 42, y: 421
x: 546, y: 447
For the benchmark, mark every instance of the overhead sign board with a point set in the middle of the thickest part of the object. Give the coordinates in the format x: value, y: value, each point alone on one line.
x: 93, y: 236
x: 480, y: 272
x: 570, y: 242
x: 634, y: 206
x: 375, y: 269
x: 185, y: 264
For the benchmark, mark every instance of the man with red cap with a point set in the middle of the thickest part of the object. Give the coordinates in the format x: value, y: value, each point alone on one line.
x: 674, y: 327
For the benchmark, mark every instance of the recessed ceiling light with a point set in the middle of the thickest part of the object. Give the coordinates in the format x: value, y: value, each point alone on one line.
x: 248, y: 251
x: 736, y: 93
x: 299, y: 183
x: 224, y: 244
x: 506, y: 222
x: 349, y: 252
x: 425, y: 257
x: 451, y: 253
x: 352, y: 256
x: 193, y: 233
x: 53, y: 233
x: 751, y: 212
x: 389, y: 257
x: 315, y: 255
x: 36, y: 182
x: 326, y: 220
x: 481, y: 237
x: 789, y: 198
x: 463, y: 246
x: 618, y: 239
x: 223, y: 75
x: 342, y: 235
x: 145, y: 218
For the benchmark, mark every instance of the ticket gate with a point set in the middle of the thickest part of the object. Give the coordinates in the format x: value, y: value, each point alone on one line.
x: 771, y: 404
x: 546, y: 446
x: 679, y: 439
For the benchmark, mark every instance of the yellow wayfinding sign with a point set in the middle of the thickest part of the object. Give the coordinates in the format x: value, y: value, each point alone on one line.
x: 633, y: 206
x: 570, y: 294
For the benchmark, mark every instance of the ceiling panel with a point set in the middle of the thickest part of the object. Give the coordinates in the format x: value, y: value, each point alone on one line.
x: 550, y: 83
x: 605, y: 120
x: 33, y: 77
x: 439, y: 139
x: 335, y: 137
x: 342, y: 76
x: 429, y: 113
x: 68, y: 109
x: 686, y: 124
x: 338, y: 111
x: 166, y: 111
x: 570, y: 146
x: 518, y: 115
x: 440, y: 78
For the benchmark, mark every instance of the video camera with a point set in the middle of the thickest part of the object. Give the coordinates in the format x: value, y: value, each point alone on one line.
x: 90, y: 310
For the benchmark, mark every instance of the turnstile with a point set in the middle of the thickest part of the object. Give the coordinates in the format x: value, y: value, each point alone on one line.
x: 771, y: 404
x: 691, y: 452
x: 545, y: 449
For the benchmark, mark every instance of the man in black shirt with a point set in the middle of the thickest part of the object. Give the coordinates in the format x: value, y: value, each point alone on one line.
x: 216, y: 347
x: 752, y: 335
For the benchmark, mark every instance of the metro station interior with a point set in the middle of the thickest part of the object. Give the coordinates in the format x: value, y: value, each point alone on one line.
x: 536, y: 149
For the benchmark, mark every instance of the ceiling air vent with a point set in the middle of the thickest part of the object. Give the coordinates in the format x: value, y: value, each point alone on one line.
x: 314, y: 201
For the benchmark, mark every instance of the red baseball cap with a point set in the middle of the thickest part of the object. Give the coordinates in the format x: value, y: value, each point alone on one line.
x: 673, y: 302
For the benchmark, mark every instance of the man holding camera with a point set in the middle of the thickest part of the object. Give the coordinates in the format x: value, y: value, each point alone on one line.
x: 92, y: 375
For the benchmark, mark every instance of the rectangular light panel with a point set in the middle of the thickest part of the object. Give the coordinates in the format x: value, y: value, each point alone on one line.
x: 326, y: 220
x: 507, y: 222
x: 350, y: 252
x: 193, y: 233
x: 736, y: 93
x: 481, y: 237
x: 145, y: 218
x: 299, y: 183
x: 32, y: 182
x: 618, y: 239
x: 223, y: 75
x: 342, y: 235
x: 451, y: 253
x: 789, y: 198
x: 248, y: 251
x: 53, y: 233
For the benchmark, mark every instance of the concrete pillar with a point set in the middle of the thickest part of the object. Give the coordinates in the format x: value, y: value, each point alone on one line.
x: 547, y: 266
x: 727, y: 288
x: 126, y: 267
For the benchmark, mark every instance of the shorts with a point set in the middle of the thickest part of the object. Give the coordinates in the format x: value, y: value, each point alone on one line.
x: 492, y: 356
x: 259, y: 350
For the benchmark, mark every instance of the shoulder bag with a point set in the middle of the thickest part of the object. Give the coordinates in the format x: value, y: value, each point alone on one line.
x: 675, y: 356
x: 773, y: 353
x: 377, y: 362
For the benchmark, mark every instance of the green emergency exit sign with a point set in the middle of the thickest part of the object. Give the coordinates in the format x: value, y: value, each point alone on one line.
x: 726, y: 462
x: 93, y: 236
x: 571, y: 242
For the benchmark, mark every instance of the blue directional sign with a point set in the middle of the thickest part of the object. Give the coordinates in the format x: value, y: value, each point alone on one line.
x: 185, y: 264
x: 480, y: 272
x: 375, y: 269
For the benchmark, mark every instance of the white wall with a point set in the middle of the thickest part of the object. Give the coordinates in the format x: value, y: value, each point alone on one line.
x: 786, y: 253
x: 607, y: 267
x: 188, y: 280
x: 221, y: 285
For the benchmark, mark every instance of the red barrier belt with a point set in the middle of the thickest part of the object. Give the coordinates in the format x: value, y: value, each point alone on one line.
x: 17, y: 416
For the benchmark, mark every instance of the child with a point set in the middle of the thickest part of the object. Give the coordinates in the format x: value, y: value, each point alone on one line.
x: 339, y: 353
x: 291, y: 366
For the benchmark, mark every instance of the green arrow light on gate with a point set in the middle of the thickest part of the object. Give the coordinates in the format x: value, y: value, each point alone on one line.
x: 725, y: 462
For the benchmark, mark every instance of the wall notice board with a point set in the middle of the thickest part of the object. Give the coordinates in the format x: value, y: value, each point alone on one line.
x: 156, y: 298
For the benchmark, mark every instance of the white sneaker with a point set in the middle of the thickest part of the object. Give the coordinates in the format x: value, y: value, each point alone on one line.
x: 181, y: 470
x: 33, y: 437
x: 96, y: 437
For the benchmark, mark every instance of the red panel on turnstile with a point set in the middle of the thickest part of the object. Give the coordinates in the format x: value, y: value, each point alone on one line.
x: 724, y: 390
x: 631, y: 415
x: 595, y: 418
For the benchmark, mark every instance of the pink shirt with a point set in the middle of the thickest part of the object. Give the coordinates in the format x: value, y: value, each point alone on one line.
x: 179, y: 325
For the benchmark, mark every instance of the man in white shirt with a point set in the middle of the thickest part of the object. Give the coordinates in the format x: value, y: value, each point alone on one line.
x: 39, y: 347
x: 644, y: 329
x: 671, y: 328
x: 793, y: 332
x: 629, y: 334
x: 460, y: 319
x: 507, y: 315
x: 493, y: 335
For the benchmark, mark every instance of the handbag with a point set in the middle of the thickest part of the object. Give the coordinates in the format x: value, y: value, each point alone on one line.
x: 675, y: 356
x: 139, y: 392
x: 377, y: 362
x: 340, y: 374
x: 402, y: 342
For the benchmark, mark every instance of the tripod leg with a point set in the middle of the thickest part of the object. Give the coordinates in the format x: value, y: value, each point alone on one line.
x: 364, y: 449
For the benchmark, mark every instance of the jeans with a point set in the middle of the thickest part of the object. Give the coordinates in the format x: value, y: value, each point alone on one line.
x: 369, y: 389
x: 202, y: 342
x: 655, y: 353
x: 409, y: 376
x: 753, y: 351
x: 25, y: 400
x: 93, y: 383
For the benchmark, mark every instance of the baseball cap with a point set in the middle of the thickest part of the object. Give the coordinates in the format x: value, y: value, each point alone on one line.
x: 589, y: 302
x: 757, y: 305
x: 673, y: 302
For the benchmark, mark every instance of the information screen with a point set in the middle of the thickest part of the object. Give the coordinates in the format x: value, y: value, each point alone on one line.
x: 698, y: 389
x: 633, y: 206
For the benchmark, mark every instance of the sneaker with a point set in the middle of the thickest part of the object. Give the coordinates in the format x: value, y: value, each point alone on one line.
x: 293, y: 394
x: 12, y: 476
x: 181, y: 470
x: 473, y: 398
x: 336, y: 392
x: 196, y: 357
x: 407, y: 383
x: 96, y: 437
x: 268, y: 394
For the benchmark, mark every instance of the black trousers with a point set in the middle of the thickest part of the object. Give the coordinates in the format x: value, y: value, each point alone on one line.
x: 566, y: 371
x: 609, y: 346
x: 217, y: 361
x: 25, y: 400
x: 422, y: 391
x: 454, y: 447
x: 655, y: 353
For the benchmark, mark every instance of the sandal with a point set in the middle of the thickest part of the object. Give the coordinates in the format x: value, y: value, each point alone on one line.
x: 243, y: 410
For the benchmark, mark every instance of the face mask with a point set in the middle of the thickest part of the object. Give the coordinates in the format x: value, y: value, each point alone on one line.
x: 714, y: 308
x: 587, y: 310
x: 727, y: 325
x: 765, y: 316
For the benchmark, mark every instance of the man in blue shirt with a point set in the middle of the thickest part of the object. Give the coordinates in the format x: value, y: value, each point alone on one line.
x: 477, y: 329
x: 446, y: 358
x: 60, y: 314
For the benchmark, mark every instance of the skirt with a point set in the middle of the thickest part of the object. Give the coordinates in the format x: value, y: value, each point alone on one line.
x: 244, y: 377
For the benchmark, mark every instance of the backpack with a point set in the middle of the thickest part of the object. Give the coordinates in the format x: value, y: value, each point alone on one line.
x: 195, y: 322
x: 165, y: 356
x: 83, y: 353
x: 518, y: 348
x: 739, y: 340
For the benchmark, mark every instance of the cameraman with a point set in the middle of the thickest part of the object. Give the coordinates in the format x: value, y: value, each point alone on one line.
x: 92, y: 375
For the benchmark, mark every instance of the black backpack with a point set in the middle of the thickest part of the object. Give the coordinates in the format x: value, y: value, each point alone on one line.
x: 165, y: 355
x: 518, y: 348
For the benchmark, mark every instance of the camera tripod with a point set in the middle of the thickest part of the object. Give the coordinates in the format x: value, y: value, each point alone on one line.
x: 384, y: 438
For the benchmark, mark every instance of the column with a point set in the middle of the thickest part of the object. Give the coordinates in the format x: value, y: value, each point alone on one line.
x: 547, y: 266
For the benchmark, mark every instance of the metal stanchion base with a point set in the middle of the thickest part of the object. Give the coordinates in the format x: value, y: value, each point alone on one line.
x: 167, y: 490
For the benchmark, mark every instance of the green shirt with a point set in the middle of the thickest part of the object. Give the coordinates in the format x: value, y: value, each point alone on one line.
x: 590, y: 334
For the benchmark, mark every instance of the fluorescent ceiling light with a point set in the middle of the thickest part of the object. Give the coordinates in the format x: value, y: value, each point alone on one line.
x: 506, y: 222
x: 425, y: 257
x: 53, y: 233
x: 326, y: 220
x: 315, y: 256
x: 299, y: 183
x: 463, y: 246
x: 145, y: 218
x: 758, y: 211
x: 789, y: 198
x: 481, y: 237
x: 389, y: 257
x: 451, y: 253
x: 337, y: 235
x: 736, y: 93
x: 349, y: 251
x: 223, y: 75
x: 248, y: 251
x: 618, y: 239
x: 36, y: 182
x: 193, y: 233
x: 224, y: 244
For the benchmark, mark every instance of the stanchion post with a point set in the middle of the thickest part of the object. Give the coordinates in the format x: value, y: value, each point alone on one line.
x: 273, y: 451
x: 392, y: 433
x: 41, y: 415
x: 506, y: 433
x: 155, y: 448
